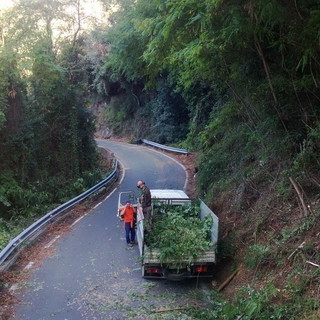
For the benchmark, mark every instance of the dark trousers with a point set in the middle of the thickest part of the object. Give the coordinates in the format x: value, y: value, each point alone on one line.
x: 147, y: 218
x: 130, y: 232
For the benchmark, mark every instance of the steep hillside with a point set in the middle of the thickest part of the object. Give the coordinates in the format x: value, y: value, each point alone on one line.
x: 269, y: 252
x: 269, y: 249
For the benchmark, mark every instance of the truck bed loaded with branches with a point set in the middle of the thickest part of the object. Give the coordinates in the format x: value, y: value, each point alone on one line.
x: 182, y: 241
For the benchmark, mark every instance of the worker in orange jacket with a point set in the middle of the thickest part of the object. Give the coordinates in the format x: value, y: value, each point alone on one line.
x: 128, y: 215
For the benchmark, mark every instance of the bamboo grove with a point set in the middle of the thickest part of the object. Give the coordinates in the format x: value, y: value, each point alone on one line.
x: 236, y: 80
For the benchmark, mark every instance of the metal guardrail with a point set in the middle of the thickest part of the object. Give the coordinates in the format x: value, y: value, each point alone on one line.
x: 161, y: 146
x: 31, y: 230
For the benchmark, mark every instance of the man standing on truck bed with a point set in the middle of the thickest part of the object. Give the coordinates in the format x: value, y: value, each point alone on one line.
x: 145, y: 201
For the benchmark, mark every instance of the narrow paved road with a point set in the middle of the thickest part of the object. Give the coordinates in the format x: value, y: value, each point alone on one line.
x: 93, y: 274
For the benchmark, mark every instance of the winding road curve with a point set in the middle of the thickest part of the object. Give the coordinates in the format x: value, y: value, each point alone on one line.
x: 93, y: 274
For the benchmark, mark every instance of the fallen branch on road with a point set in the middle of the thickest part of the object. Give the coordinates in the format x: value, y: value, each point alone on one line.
x: 172, y: 309
x: 196, y: 305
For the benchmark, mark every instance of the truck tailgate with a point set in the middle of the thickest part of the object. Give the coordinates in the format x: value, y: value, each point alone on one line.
x: 152, y: 256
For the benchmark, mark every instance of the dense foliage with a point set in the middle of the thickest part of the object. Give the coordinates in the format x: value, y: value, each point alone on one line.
x: 48, y: 153
x: 238, y: 81
x: 253, y: 304
x: 179, y: 233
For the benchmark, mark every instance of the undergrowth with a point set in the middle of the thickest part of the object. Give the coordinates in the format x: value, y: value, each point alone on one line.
x: 23, y: 206
x: 264, y: 304
x: 276, y: 248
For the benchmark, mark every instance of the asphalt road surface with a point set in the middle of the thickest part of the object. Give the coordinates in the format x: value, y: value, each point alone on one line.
x: 93, y: 274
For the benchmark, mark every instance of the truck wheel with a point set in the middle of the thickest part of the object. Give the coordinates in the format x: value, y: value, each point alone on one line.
x: 176, y: 276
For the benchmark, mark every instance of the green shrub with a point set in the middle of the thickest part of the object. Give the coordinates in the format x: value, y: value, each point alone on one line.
x: 254, y: 304
x: 7, y: 232
x: 257, y: 254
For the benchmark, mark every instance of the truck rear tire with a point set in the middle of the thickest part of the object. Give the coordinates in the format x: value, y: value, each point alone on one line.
x: 176, y: 276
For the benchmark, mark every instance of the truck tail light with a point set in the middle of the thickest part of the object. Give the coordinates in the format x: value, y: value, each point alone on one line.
x: 200, y: 269
x: 153, y: 270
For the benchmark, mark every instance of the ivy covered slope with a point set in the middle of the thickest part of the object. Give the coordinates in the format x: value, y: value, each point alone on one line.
x: 238, y: 83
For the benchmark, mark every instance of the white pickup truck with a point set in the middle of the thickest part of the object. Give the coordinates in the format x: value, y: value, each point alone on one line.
x: 202, y: 266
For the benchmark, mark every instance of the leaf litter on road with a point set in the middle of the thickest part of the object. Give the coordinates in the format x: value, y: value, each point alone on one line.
x: 136, y: 298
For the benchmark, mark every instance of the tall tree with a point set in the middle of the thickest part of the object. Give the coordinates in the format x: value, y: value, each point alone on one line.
x: 47, y: 132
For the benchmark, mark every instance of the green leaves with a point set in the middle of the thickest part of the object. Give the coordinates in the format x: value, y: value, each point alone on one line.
x: 47, y: 144
x: 179, y: 233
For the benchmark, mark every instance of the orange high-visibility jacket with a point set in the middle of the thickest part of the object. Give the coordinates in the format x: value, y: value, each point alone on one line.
x: 128, y: 214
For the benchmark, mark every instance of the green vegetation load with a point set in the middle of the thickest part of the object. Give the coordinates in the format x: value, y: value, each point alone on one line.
x: 179, y: 233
